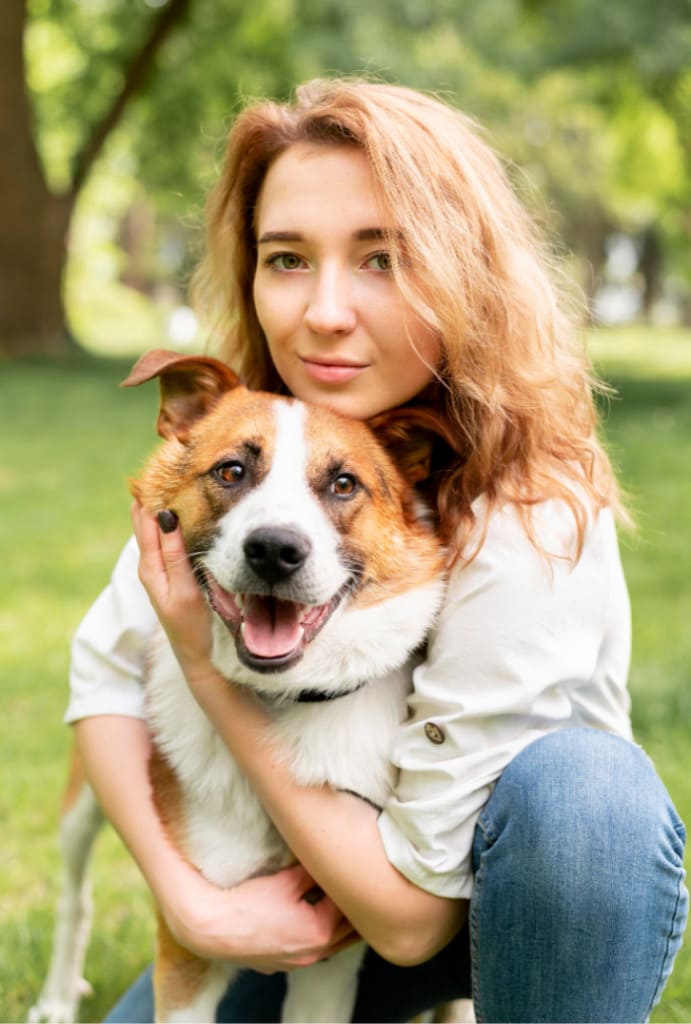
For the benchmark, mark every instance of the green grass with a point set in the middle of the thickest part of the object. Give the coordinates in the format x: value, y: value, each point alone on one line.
x: 69, y: 439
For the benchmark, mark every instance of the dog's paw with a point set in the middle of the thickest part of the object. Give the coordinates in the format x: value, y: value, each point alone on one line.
x: 50, y: 1010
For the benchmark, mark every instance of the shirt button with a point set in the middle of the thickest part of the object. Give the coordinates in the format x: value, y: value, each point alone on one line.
x: 433, y: 733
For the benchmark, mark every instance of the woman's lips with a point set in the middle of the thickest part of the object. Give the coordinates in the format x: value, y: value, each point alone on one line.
x: 332, y: 373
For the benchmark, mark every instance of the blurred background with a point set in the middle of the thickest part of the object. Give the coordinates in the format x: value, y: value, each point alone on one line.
x: 114, y: 111
x: 113, y: 115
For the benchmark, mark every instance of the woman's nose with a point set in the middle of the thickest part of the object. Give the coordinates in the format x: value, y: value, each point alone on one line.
x: 330, y: 307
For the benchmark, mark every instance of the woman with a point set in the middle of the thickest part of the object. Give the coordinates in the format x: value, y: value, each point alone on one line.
x: 365, y: 250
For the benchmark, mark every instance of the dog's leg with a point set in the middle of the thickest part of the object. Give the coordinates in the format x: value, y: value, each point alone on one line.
x: 186, y: 988
x: 326, y: 991
x: 64, y: 985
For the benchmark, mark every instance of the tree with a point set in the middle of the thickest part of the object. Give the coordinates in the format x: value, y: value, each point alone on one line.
x: 54, y: 129
x: 578, y: 94
x: 52, y: 136
x: 637, y: 56
x: 35, y: 218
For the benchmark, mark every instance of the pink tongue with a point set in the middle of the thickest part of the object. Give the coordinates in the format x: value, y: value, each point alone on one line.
x: 272, y: 627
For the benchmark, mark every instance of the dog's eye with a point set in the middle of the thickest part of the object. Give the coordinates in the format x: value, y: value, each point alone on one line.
x: 344, y: 486
x: 228, y: 473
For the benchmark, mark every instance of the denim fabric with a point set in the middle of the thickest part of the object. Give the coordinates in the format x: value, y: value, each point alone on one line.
x: 578, y: 910
x: 586, y: 925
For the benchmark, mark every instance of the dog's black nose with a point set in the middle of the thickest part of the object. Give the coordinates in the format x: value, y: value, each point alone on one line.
x: 275, y: 553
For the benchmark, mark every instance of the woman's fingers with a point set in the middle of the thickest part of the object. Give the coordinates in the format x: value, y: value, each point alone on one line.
x: 339, y: 930
x: 152, y: 570
x: 163, y: 562
x: 175, y: 561
x: 169, y: 580
x: 298, y: 877
x: 336, y: 930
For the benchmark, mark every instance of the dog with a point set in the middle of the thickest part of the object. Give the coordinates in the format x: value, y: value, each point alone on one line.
x: 324, y: 574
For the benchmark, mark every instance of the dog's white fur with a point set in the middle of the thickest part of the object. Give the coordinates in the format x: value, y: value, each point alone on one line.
x: 345, y: 742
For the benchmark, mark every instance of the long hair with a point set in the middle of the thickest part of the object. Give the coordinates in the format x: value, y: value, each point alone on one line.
x: 515, y: 384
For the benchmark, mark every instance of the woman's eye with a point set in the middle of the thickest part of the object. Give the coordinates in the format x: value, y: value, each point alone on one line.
x: 344, y: 486
x: 285, y: 261
x: 228, y: 473
x: 379, y: 261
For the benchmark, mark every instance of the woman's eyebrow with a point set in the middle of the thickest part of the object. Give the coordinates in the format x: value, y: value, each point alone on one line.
x: 369, y: 235
x: 280, y: 236
x: 378, y: 235
x: 361, y: 235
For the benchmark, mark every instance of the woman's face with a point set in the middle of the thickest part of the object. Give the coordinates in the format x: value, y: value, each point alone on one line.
x: 338, y: 329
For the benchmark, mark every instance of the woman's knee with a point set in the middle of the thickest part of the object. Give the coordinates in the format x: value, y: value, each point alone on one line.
x: 587, y: 807
x: 578, y: 860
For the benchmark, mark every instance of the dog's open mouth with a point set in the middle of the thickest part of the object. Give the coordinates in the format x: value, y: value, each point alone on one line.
x: 270, y: 634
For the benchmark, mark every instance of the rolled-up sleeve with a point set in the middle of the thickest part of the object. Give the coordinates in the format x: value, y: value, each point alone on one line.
x: 109, y: 648
x: 523, y: 646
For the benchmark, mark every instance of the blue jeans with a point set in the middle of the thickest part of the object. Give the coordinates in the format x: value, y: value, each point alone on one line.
x: 578, y: 909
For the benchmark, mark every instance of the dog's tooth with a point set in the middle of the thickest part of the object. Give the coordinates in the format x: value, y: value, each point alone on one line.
x: 239, y: 601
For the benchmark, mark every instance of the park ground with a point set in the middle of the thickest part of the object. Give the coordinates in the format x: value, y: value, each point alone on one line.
x: 70, y: 438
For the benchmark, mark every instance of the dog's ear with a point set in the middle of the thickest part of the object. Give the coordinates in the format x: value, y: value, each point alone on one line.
x: 419, y: 439
x: 190, y: 386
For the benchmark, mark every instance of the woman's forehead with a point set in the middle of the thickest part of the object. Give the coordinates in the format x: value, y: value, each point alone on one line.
x: 318, y: 185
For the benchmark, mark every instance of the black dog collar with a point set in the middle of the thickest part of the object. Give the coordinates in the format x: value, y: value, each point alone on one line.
x: 306, y: 696
x: 317, y: 696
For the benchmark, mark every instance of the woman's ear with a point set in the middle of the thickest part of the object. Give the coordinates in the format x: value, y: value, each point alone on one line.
x: 415, y: 437
x: 190, y: 387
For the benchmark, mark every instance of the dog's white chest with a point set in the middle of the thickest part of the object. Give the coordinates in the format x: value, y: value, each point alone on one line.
x: 226, y: 831
x: 346, y: 742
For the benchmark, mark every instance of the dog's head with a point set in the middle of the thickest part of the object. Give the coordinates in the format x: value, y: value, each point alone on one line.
x: 303, y: 526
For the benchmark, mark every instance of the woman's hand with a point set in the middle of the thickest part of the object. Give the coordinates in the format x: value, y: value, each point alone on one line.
x: 169, y: 580
x: 265, y: 923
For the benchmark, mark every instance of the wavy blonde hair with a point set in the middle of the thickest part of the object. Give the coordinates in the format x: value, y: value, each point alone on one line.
x: 516, y: 388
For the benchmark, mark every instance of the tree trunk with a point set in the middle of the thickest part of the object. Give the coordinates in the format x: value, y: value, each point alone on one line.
x: 651, y: 265
x: 34, y: 222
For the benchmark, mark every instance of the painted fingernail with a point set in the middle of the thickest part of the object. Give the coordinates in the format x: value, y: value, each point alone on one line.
x: 167, y: 520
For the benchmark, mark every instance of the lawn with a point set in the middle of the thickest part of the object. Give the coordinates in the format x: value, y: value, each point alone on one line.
x: 69, y: 440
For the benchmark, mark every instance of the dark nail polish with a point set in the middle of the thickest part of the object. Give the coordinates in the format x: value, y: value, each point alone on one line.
x: 167, y: 520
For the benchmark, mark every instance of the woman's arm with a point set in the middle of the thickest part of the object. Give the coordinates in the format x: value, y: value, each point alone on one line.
x: 265, y: 923
x: 334, y: 835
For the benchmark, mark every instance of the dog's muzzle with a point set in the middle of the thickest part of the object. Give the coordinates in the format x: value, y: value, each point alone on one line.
x: 271, y: 632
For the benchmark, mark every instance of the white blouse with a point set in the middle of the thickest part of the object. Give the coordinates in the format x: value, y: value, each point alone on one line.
x: 523, y: 646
